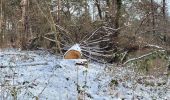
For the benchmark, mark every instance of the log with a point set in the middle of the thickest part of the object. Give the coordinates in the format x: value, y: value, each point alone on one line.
x: 73, y: 53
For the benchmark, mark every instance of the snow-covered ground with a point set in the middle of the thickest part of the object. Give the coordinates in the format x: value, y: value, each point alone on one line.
x: 30, y: 75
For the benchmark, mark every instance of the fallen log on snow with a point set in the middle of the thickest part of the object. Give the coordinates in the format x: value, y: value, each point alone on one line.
x: 73, y: 53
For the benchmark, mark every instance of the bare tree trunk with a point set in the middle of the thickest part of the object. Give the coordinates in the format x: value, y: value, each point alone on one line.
x: 164, y: 19
x: 116, y: 12
x: 86, y: 7
x: 108, y: 3
x: 57, y: 35
x: 24, y: 23
x: 58, y: 12
x: 153, y: 16
x: 2, y: 22
x: 113, y: 12
x: 1, y: 18
x: 164, y: 9
x: 98, y: 8
x: 54, y: 29
x: 107, y: 16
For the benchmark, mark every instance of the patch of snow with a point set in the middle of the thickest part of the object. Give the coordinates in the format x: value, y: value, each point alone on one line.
x: 31, y: 74
x: 75, y: 47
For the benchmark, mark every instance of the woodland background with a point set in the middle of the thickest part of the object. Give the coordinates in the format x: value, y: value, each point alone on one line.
x: 132, y: 27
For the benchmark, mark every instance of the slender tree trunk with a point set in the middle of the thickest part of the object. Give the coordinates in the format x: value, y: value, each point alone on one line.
x: 54, y: 29
x: 1, y: 19
x: 164, y: 8
x: 108, y: 3
x: 164, y: 19
x: 24, y: 23
x: 68, y: 13
x: 93, y: 13
x: 116, y: 14
x: 86, y: 7
x: 58, y: 12
x: 153, y: 16
x: 107, y: 16
x: 98, y: 8
x: 57, y: 35
x: 113, y: 13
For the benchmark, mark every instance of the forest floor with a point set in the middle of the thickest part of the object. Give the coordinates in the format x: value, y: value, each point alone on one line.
x: 30, y: 75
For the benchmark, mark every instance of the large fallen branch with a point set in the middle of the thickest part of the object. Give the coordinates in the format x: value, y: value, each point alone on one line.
x: 84, y: 39
x: 49, y: 39
x: 154, y: 46
x: 138, y: 58
x: 97, y: 54
x: 55, y: 41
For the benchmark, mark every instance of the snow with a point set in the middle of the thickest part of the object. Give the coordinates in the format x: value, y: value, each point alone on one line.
x: 38, y: 74
x: 75, y: 47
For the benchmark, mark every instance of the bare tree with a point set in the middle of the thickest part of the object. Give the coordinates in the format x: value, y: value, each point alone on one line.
x: 24, y: 23
x: 164, y: 8
x: 153, y: 16
x: 58, y: 11
x: 1, y: 18
x: 98, y: 8
x: 57, y: 35
x: 116, y: 12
